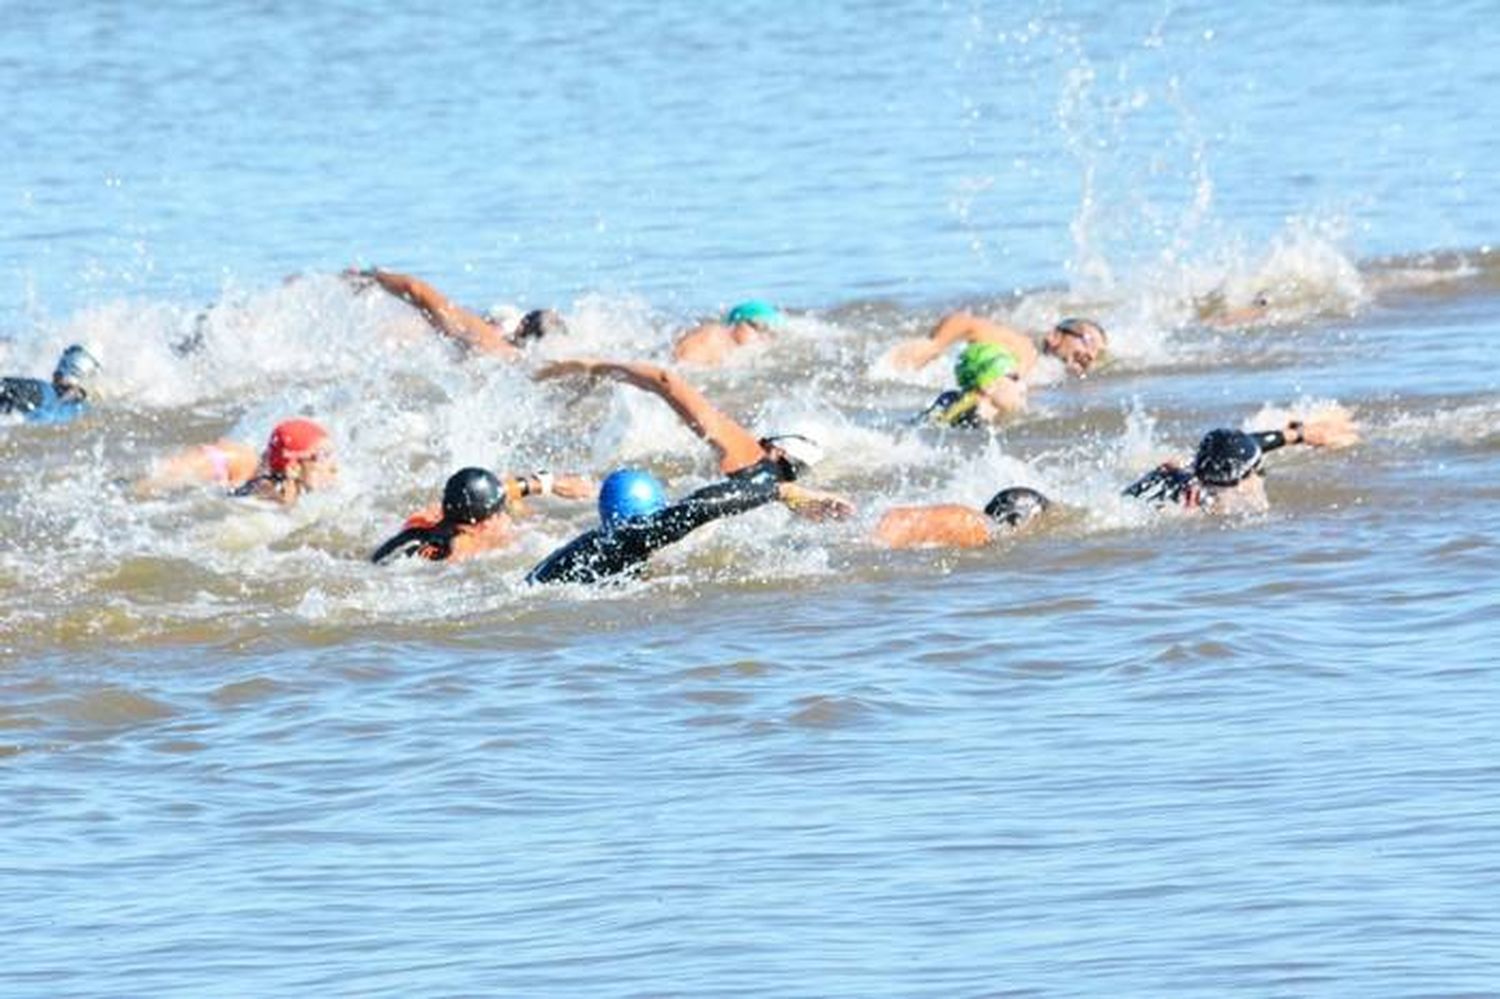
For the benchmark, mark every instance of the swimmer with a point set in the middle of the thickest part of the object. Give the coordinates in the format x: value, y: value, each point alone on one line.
x: 226, y: 463
x: 1225, y: 475
x: 477, y: 514
x: 298, y: 458
x: 476, y: 332
x: 1076, y: 343
x: 62, y: 399
x: 953, y: 525
x: 635, y: 521
x: 741, y: 454
x: 989, y: 387
x: 710, y: 343
x: 1216, y: 309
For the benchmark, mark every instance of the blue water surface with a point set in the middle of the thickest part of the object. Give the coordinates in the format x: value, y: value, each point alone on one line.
x: 695, y: 154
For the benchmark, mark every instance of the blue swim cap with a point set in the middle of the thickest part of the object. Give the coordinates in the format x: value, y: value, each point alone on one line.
x: 628, y: 493
x: 756, y: 310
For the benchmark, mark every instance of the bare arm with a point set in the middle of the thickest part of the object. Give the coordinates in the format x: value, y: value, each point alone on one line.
x: 736, y: 447
x: 963, y: 327
x: 813, y: 504
x: 444, y: 315
x: 224, y: 462
x: 1331, y: 429
x: 567, y: 486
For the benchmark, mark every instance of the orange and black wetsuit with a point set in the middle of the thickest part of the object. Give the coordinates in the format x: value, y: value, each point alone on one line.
x: 427, y: 535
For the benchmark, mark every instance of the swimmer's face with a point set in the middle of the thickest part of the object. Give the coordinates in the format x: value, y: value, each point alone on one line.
x: 320, y: 470
x: 1001, y: 396
x: 788, y: 469
x: 1078, y: 343
x: 750, y: 331
x: 1249, y: 496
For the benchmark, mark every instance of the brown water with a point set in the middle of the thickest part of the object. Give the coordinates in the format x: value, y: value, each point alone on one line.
x: 1268, y: 737
x: 1126, y: 754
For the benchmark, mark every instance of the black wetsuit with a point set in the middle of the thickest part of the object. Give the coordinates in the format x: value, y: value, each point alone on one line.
x: 1169, y: 483
x: 22, y: 395
x: 942, y: 412
x: 40, y: 401
x: 765, y: 470
x: 610, y: 551
x: 1270, y: 440
x: 433, y: 542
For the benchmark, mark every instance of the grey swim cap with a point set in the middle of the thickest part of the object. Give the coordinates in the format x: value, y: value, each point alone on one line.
x: 1016, y: 506
x: 75, y: 368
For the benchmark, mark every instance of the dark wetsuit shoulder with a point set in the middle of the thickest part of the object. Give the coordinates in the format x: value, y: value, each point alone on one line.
x: 945, y: 411
x: 434, y: 543
x: 23, y: 395
x: 605, y: 552
x: 764, y: 470
x: 1169, y: 484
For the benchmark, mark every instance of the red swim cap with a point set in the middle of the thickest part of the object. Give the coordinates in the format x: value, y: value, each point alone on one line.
x: 293, y: 440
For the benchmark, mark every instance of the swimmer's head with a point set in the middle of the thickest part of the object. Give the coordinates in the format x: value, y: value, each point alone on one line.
x: 793, y: 454
x: 302, y: 447
x: 472, y: 495
x: 982, y: 363
x: 1016, y: 506
x: 76, y: 368
x: 755, y: 312
x: 1226, y: 458
x: 628, y: 493
x: 1078, y: 343
x: 539, y: 323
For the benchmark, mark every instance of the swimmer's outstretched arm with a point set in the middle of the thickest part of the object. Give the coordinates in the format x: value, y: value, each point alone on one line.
x: 1334, y: 429
x: 963, y: 327
x: 567, y: 486
x: 737, y: 447
x: 443, y: 314
x: 735, y: 496
x: 225, y: 462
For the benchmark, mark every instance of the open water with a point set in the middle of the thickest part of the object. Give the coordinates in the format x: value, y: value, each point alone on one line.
x: 1127, y: 754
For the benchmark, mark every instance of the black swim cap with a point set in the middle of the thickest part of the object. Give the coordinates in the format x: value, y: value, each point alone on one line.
x: 1226, y: 458
x: 472, y: 495
x: 1016, y: 506
x: 539, y: 323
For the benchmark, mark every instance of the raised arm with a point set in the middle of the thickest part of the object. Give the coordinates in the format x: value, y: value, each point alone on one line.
x: 736, y: 447
x: 445, y: 315
x: 963, y: 327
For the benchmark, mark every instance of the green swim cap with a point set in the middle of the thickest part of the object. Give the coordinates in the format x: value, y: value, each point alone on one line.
x: 982, y: 363
x: 756, y: 310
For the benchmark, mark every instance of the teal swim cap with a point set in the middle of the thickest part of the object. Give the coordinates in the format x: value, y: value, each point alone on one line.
x: 982, y: 363
x: 756, y: 310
